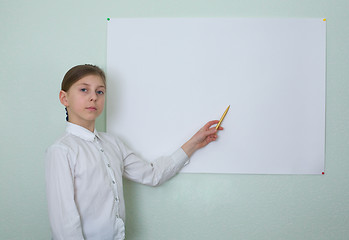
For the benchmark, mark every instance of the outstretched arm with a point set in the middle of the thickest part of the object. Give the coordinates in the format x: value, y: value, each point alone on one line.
x: 200, y: 139
x: 156, y: 172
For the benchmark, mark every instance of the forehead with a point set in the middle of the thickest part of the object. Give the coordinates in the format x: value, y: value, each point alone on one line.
x: 91, y: 80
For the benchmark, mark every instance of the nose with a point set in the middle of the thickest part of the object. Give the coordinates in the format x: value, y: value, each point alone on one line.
x: 93, y: 97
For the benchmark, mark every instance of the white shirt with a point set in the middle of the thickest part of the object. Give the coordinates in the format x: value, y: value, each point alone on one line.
x: 84, y: 183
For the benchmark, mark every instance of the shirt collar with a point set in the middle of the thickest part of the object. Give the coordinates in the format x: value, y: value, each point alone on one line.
x: 81, y: 132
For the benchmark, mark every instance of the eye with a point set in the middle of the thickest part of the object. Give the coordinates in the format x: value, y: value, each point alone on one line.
x: 83, y: 90
x: 100, y: 92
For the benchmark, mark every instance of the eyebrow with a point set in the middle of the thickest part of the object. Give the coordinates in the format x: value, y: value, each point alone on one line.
x: 86, y: 84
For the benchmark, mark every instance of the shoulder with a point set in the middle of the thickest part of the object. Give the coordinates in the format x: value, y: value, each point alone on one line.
x: 62, y: 153
x: 63, y: 145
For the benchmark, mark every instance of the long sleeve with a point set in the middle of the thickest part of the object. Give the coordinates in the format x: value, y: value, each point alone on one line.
x: 63, y: 214
x: 152, y: 173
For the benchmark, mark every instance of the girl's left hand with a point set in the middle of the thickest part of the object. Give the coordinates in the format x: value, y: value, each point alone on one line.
x: 200, y: 139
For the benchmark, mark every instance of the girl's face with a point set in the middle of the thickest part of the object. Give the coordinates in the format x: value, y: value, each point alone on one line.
x: 84, y: 101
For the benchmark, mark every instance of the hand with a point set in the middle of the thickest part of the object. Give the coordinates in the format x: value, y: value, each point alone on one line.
x: 200, y: 139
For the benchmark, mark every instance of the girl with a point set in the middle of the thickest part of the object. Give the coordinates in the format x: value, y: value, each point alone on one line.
x: 84, y: 168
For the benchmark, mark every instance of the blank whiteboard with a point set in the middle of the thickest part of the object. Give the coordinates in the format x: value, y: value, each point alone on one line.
x: 167, y: 77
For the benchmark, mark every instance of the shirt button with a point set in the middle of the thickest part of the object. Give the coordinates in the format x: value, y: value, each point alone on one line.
x: 113, y: 182
x: 102, y: 150
x: 108, y: 165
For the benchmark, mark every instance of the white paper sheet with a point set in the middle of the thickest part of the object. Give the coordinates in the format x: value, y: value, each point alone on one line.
x: 168, y: 76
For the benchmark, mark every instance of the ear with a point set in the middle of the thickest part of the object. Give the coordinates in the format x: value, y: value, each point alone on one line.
x: 63, y: 98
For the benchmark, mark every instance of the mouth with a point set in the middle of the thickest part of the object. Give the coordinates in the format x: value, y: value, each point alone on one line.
x: 91, y: 108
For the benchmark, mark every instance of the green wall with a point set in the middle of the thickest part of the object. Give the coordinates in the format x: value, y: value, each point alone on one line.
x: 40, y: 40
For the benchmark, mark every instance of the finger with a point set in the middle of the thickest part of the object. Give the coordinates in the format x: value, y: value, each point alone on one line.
x: 211, y: 139
x: 208, y: 132
x: 210, y: 123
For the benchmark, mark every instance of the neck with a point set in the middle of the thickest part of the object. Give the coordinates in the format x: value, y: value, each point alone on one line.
x: 88, y: 125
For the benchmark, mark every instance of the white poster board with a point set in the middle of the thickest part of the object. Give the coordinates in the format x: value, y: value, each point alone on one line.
x: 168, y: 76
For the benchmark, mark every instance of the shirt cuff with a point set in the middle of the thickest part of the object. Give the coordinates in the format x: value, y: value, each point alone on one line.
x: 180, y: 157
